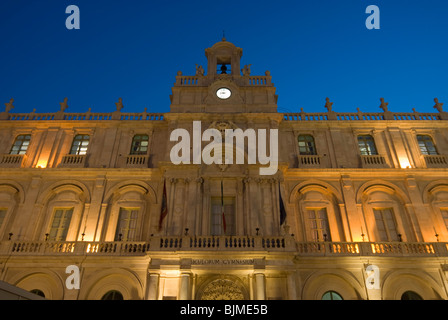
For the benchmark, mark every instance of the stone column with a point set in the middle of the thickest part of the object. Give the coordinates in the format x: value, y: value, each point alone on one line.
x: 352, y: 221
x: 292, y: 291
x: 184, y: 293
x: 260, y: 286
x: 152, y: 286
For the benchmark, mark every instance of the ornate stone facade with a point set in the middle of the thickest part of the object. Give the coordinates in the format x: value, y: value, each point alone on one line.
x: 359, y: 189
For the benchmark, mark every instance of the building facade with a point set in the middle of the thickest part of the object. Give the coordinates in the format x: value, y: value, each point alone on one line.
x: 364, y: 198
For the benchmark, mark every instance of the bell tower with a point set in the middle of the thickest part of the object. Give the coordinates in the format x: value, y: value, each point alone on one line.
x: 223, y: 58
x: 226, y: 87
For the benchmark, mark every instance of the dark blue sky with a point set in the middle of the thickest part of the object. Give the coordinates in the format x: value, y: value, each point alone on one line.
x: 313, y: 49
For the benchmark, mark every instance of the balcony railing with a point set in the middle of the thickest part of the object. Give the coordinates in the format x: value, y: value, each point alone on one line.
x: 226, y: 244
x: 137, y: 161
x: 12, y: 160
x: 373, y: 161
x: 436, y: 161
x: 309, y: 161
x: 73, y: 161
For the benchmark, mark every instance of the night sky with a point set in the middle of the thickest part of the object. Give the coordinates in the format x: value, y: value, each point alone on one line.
x: 313, y: 49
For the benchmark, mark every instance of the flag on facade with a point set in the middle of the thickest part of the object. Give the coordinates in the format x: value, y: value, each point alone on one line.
x: 282, y: 207
x: 164, y: 210
x: 222, y: 209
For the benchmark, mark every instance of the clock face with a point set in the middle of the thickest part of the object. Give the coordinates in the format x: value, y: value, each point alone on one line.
x: 223, y: 93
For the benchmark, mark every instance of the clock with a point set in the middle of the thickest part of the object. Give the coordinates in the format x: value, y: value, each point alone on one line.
x: 223, y: 93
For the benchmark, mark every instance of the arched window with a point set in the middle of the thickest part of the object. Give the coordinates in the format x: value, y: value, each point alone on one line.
x: 331, y: 295
x: 307, y: 145
x: 113, y: 295
x: 410, y: 295
x: 366, y: 145
x: 140, y: 144
x: 80, y: 144
x: 318, y: 226
x: 426, y: 145
x: 21, y: 144
x: 60, y: 224
x: 386, y: 225
x: 127, y: 224
x: 38, y: 292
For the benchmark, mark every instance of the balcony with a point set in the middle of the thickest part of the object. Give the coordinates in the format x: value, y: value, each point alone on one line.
x: 137, y: 161
x: 436, y: 161
x: 73, y: 161
x: 12, y: 160
x: 309, y: 161
x: 226, y: 244
x: 373, y: 161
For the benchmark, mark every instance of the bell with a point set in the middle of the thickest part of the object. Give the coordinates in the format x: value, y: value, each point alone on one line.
x: 223, y: 69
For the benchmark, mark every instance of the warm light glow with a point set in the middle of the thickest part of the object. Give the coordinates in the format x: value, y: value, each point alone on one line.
x: 92, y: 248
x: 42, y: 164
x: 404, y: 163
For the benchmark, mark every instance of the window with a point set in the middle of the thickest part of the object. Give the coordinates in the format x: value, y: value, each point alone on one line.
x: 38, y: 292
x: 306, y: 145
x: 366, y: 145
x: 331, y: 295
x: 318, y: 225
x: 2, y: 217
x: 140, y: 144
x: 426, y: 145
x: 223, y: 224
x: 21, y: 144
x: 80, y: 144
x: 60, y: 224
x: 385, y: 223
x: 410, y: 295
x: 113, y: 295
x: 443, y: 211
x: 127, y: 225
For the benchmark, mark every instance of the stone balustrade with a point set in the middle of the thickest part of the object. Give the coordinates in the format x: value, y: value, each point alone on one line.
x: 373, y: 161
x: 226, y: 244
x: 248, y: 81
x: 12, y: 160
x: 73, y: 161
x: 361, y: 116
x: 309, y: 161
x: 436, y: 161
x: 86, y: 116
x: 137, y: 161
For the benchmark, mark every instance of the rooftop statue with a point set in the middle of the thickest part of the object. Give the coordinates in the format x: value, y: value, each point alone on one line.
x: 438, y: 105
x: 384, y: 105
x: 328, y: 105
x: 119, y: 104
x: 246, y: 70
x: 199, y: 70
x: 64, y: 104
x: 9, y: 105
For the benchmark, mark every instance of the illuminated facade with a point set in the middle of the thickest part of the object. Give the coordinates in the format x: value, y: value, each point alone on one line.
x: 359, y: 190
